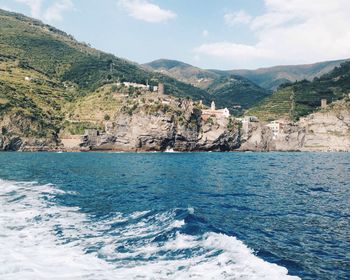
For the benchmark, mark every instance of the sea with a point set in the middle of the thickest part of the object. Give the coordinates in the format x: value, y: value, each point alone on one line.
x: 244, y: 216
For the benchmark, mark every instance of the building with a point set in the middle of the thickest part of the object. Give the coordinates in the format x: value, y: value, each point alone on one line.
x: 323, y: 103
x: 212, y: 112
x: 134, y: 85
x: 161, y: 90
x: 28, y: 79
x: 246, y: 121
x: 276, y: 127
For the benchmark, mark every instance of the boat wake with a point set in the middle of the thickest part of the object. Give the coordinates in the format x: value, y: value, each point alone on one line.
x: 41, y: 239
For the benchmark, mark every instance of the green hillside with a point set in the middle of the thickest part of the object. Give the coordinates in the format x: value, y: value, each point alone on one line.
x: 183, y: 72
x: 226, y: 89
x: 43, y: 69
x: 230, y: 91
x: 271, y: 78
x: 304, y: 97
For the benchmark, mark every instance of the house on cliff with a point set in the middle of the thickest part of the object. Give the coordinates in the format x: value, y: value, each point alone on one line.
x: 212, y: 112
x: 277, y: 127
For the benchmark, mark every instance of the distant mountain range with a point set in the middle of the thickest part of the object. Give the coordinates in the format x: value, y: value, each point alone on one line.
x: 271, y: 78
x: 268, y: 78
x: 245, y: 88
x: 226, y: 89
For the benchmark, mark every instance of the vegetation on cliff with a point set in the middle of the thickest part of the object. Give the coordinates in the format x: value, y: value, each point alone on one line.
x: 226, y: 89
x: 304, y: 97
x: 43, y: 70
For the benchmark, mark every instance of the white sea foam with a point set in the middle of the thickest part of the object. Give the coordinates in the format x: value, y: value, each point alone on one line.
x: 40, y: 239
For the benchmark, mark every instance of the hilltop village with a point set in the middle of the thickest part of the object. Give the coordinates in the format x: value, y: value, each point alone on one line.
x: 135, y: 117
x: 150, y: 120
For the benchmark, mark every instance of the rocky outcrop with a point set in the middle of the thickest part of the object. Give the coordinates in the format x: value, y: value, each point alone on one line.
x: 256, y: 137
x: 27, y: 144
x: 325, y: 130
x: 19, y: 133
x: 181, y: 130
x: 177, y: 124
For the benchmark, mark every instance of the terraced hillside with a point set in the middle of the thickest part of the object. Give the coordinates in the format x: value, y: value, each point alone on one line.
x: 42, y: 69
x: 226, y: 89
x: 304, y: 97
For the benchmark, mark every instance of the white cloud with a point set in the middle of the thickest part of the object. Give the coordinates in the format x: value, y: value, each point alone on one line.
x: 240, y: 17
x: 205, y: 33
x: 232, y: 50
x: 53, y: 13
x: 289, y: 32
x: 34, y: 5
x: 146, y: 11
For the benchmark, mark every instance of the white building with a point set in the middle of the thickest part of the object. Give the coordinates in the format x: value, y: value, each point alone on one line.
x: 134, y: 85
x: 276, y: 127
x: 207, y: 113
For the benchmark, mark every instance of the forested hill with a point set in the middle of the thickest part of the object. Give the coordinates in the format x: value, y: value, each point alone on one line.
x: 228, y: 90
x: 293, y: 100
x: 272, y: 77
x: 51, y: 52
x: 42, y: 69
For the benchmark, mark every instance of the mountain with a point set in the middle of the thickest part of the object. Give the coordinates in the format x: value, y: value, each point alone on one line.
x: 268, y: 78
x: 226, y: 89
x: 271, y: 78
x: 43, y: 70
x: 183, y: 72
x: 245, y: 88
x: 304, y: 97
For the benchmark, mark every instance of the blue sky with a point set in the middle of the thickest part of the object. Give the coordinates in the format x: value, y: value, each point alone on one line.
x: 225, y: 34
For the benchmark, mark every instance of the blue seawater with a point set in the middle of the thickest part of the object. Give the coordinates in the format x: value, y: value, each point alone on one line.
x: 175, y: 216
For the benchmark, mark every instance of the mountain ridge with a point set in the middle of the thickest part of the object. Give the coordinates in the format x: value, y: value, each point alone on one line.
x: 268, y: 78
x: 226, y: 89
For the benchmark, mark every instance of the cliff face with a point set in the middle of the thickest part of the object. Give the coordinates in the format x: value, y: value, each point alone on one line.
x: 20, y: 133
x: 326, y: 130
x: 256, y: 137
x: 161, y: 123
x: 165, y: 129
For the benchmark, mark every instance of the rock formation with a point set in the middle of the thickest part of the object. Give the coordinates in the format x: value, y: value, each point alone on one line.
x: 325, y: 130
x: 161, y: 123
x: 175, y: 125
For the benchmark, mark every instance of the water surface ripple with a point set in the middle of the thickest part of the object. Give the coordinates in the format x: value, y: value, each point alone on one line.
x: 175, y: 216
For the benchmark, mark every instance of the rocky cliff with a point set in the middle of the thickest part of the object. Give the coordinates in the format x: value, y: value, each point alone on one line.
x: 20, y: 133
x: 153, y: 122
x: 164, y: 124
x: 325, y: 130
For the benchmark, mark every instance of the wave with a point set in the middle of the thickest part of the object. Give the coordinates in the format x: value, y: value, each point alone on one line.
x: 40, y: 239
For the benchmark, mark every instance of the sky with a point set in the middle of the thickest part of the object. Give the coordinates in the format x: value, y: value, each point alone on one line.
x: 212, y: 34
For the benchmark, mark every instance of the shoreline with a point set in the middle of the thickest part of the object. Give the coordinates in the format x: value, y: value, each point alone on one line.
x: 168, y: 152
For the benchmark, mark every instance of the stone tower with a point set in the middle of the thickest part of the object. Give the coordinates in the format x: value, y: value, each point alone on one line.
x: 161, y: 89
x: 213, y: 106
x: 323, y: 103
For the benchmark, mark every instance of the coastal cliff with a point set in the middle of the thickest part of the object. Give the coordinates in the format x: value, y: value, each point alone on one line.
x: 323, y: 131
x: 163, y: 123
x: 153, y: 122
x: 326, y: 130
